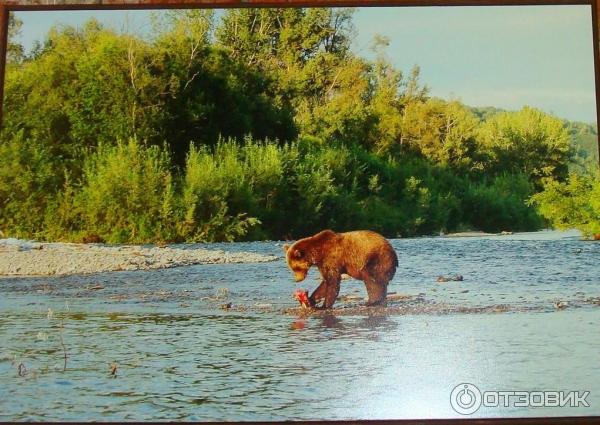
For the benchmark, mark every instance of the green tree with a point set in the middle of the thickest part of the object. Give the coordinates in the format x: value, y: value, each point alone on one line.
x: 443, y: 132
x: 86, y: 87
x: 15, y: 50
x: 527, y: 141
x: 301, y: 53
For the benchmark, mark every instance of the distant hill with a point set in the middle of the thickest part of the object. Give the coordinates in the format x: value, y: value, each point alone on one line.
x: 585, y: 139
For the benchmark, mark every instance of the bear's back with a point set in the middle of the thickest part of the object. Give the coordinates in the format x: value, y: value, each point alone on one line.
x: 366, y: 238
x: 367, y: 243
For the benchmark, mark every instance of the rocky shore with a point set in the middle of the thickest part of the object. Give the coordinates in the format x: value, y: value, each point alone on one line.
x: 22, y: 258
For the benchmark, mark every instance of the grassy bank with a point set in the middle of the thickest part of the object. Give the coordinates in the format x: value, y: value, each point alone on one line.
x: 128, y: 192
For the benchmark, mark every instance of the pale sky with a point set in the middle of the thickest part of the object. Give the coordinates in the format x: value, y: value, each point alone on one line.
x: 507, y: 57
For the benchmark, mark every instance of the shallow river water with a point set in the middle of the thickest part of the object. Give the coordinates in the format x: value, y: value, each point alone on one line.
x: 161, y: 345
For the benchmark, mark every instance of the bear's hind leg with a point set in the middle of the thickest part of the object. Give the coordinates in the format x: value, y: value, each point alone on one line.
x: 377, y: 292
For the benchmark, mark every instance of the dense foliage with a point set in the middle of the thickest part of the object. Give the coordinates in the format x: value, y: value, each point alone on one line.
x: 574, y: 203
x: 262, y: 124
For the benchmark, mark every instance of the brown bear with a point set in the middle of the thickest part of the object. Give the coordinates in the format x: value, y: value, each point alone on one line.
x: 362, y: 254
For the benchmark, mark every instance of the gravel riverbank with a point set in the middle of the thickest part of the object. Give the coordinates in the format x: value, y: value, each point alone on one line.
x: 22, y: 258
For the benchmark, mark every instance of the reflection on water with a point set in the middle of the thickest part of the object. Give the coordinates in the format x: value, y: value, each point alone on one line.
x: 178, y: 355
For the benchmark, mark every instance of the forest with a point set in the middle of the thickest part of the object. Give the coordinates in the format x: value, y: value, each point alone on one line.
x: 263, y: 124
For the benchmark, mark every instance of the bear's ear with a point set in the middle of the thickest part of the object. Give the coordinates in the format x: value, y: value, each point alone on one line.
x: 297, y: 253
x: 285, y: 248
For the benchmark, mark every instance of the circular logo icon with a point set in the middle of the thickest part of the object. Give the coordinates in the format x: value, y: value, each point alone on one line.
x: 465, y: 399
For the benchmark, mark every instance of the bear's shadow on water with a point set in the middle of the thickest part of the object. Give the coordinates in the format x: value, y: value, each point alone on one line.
x: 331, y: 327
x: 371, y: 323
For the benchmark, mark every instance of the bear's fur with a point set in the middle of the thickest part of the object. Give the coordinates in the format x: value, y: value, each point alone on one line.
x: 362, y: 254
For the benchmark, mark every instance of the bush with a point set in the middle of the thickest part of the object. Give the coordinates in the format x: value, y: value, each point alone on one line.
x: 500, y: 204
x: 214, y: 187
x: 574, y: 203
x: 29, y: 177
x: 127, y: 194
x: 249, y: 191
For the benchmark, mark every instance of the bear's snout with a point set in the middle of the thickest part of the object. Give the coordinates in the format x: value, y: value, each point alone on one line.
x: 299, y: 276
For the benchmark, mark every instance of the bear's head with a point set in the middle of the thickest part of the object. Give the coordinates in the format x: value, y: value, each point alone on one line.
x: 297, y: 261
